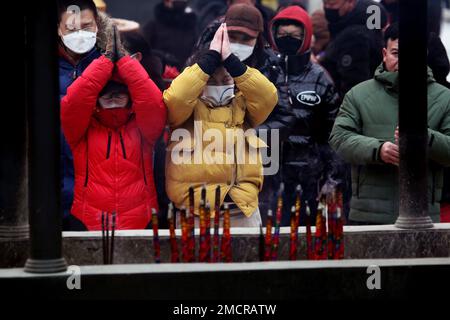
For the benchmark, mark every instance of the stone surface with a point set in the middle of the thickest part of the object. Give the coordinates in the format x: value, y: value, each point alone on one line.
x: 132, y: 247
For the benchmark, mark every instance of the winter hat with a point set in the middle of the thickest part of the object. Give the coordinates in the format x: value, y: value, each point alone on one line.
x: 244, y: 18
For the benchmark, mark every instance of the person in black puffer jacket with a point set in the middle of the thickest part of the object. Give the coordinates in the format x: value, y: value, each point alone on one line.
x: 308, y: 104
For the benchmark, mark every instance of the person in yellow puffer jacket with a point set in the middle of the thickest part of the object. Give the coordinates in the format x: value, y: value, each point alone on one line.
x: 212, y: 103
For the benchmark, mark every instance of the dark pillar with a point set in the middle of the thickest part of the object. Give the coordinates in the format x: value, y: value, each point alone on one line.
x: 13, y: 165
x: 413, y: 115
x: 43, y: 134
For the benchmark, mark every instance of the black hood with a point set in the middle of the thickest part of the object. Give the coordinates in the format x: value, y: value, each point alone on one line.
x: 358, y: 16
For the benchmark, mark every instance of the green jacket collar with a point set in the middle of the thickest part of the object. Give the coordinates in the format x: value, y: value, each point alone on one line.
x: 390, y: 79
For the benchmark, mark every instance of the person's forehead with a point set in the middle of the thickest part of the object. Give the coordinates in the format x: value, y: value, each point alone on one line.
x: 290, y: 28
x: 85, y: 16
x: 392, y: 44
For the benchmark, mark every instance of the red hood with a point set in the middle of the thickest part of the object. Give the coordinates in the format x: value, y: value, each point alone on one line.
x: 299, y: 15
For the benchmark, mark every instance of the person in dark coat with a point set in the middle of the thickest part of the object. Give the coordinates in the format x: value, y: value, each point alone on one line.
x: 308, y: 104
x: 354, y: 51
x: 173, y: 30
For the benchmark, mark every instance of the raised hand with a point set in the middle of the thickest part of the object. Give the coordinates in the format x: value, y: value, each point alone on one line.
x: 226, y: 49
x: 216, y: 43
x: 114, y: 47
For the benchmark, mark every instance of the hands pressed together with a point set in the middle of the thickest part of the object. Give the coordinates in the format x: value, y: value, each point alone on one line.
x: 221, y: 42
x: 114, y: 48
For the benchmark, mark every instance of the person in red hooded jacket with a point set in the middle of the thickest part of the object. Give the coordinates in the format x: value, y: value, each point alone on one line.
x: 111, y: 117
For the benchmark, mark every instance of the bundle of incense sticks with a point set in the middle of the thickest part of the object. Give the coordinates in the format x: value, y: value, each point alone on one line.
x: 276, y: 236
x: 184, y: 235
x: 156, y: 243
x: 174, y: 257
x: 339, y: 229
x: 225, y: 248
x: 107, y: 245
x: 208, y: 232
x: 268, y: 239
x: 309, y: 242
x: 298, y: 204
x: 331, y: 219
x: 293, y: 236
x: 318, y: 248
x: 191, y: 226
x: 215, y: 257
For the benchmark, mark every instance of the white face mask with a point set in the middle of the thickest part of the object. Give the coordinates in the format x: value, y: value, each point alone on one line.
x: 242, y: 51
x: 218, y: 95
x: 80, y: 41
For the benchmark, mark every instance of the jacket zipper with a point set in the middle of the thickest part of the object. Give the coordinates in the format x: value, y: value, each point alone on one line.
x: 123, y: 145
x: 108, y: 147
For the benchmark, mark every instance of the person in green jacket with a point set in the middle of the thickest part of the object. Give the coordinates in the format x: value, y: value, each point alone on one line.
x: 364, y: 135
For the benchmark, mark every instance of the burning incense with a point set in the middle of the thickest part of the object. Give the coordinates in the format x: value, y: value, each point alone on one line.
x: 208, y: 232
x: 276, y: 236
x: 113, y: 230
x: 339, y: 244
x: 191, y: 226
x: 202, y: 211
x: 268, y: 239
x: 319, y: 236
x: 184, y: 235
x: 331, y: 219
x: 173, y: 239
x: 156, y: 243
x: 104, y: 239
x: 215, y: 257
x: 226, y: 254
x: 293, y: 235
x: 309, y: 242
x: 298, y: 204
x: 107, y: 236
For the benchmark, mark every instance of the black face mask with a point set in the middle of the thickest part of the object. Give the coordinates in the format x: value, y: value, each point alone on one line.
x: 179, y: 5
x: 332, y: 15
x: 288, y: 45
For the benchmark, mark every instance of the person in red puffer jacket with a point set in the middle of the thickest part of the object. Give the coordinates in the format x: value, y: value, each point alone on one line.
x: 111, y: 117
